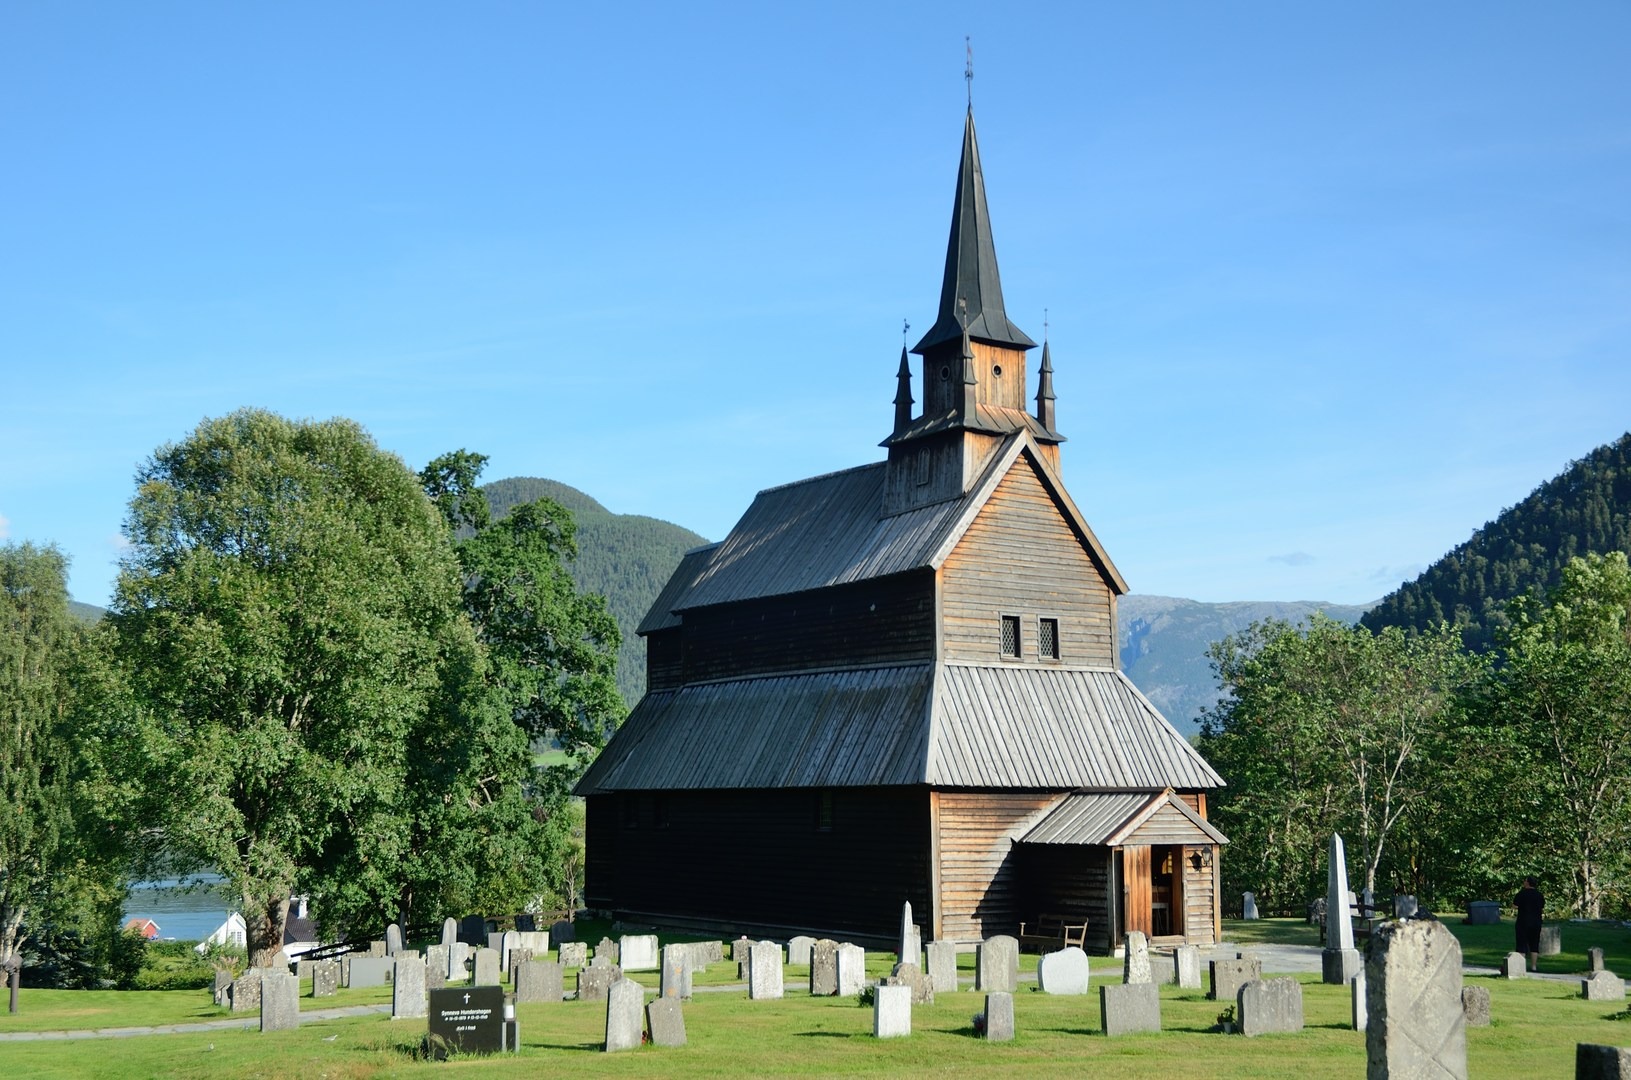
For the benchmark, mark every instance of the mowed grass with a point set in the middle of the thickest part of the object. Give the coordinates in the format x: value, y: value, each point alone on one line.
x: 1537, y: 1024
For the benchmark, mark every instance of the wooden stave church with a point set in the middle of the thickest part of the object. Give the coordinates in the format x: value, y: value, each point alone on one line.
x: 900, y: 682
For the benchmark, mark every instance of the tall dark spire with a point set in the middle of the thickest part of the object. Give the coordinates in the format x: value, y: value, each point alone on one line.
x: 971, y: 264
x: 903, y: 393
x: 1044, y: 388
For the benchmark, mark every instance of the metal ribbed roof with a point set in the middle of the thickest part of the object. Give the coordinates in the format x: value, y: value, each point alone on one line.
x: 661, y: 616
x: 1106, y: 817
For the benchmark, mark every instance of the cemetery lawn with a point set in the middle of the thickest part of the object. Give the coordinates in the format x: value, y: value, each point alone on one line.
x: 1537, y: 1025
x: 78, y: 1010
x: 1481, y: 946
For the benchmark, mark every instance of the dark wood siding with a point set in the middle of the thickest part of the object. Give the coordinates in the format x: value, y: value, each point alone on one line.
x: 979, y: 876
x: 1069, y: 879
x: 757, y: 858
x: 664, y: 659
x: 1021, y: 557
x: 883, y: 621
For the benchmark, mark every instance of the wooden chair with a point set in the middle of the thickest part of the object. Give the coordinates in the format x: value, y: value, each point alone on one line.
x: 1052, y: 930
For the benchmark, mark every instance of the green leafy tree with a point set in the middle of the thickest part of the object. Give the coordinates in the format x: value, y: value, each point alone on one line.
x: 290, y: 613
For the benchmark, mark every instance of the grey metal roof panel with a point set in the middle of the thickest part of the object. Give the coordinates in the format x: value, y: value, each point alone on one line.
x: 661, y: 614
x: 995, y: 419
x: 1039, y: 727
x: 1087, y: 818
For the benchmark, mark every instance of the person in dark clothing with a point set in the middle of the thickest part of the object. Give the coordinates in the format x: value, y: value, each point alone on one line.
x: 1530, y: 905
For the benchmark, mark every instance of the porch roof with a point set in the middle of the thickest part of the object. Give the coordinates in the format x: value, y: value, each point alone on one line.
x: 1113, y: 818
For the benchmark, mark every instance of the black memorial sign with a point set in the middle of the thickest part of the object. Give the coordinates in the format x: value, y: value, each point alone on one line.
x: 468, y: 1020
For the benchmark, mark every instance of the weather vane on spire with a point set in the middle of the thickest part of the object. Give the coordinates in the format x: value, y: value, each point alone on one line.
x: 968, y: 68
x: 905, y: 328
x: 1044, y: 324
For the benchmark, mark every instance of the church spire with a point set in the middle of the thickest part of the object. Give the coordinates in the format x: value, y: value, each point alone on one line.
x: 1044, y: 388
x: 903, y: 393
x: 971, y: 264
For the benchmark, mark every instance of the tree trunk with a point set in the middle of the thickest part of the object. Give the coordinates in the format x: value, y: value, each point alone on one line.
x: 264, y: 923
x: 14, y: 971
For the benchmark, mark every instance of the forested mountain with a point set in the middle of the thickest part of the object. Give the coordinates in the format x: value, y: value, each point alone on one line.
x: 1163, y: 643
x: 1586, y: 508
x: 626, y: 558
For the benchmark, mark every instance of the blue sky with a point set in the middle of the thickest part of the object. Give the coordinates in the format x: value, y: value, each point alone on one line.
x: 1327, y: 286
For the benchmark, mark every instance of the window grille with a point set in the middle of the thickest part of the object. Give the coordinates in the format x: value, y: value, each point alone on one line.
x: 1010, y: 636
x: 1048, y: 639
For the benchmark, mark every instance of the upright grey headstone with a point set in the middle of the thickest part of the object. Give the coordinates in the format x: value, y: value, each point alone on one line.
x: 999, y: 1017
x: 450, y: 932
x: 765, y: 971
x: 1475, y: 1005
x: 1135, y: 967
x: 436, y: 959
x: 1265, y: 1006
x: 435, y: 978
x: 1340, y: 960
x: 676, y: 976
x: 638, y: 952
x: 1357, y: 1012
x: 851, y: 969
x: 539, y: 981
x: 798, y: 949
x: 1186, y: 967
x: 370, y: 971
x: 942, y: 967
x: 535, y: 942
x: 1413, y: 1001
x: 325, y: 978
x: 245, y: 993
x: 911, y: 976
x: 907, y: 949
x: 625, y: 1026
x: 280, y: 1001
x: 458, y: 959
x: 824, y: 968
x: 1248, y: 906
x: 1229, y: 975
x: 1594, y: 1062
x: 1127, y: 1008
x: 607, y: 951
x: 377, y: 949
x: 393, y: 939
x: 1405, y: 906
x: 488, y: 971
x: 573, y: 953
x: 892, y: 1012
x: 666, y: 1021
x: 1551, y: 940
x: 1064, y: 972
x: 409, y: 996
x: 1594, y: 959
x: 595, y: 980
x: 221, y: 992
x: 507, y: 941
x: 1602, y: 986
x: 996, y: 965
x: 1513, y: 967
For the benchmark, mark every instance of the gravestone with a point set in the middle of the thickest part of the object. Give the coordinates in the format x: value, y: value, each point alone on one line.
x: 408, y: 1000
x: 996, y: 965
x: 625, y: 1003
x: 325, y: 978
x: 1063, y: 972
x: 345, y: 969
x: 573, y: 953
x: 676, y: 976
x: 450, y: 932
x: 539, y: 981
x: 508, y: 942
x: 666, y: 1022
x: 798, y: 950
x: 562, y: 932
x: 458, y: 960
x: 765, y: 971
x: 1602, y: 986
x: 435, y: 978
x: 1339, y: 961
x: 739, y: 949
x: 370, y: 971
x: 410, y: 954
x: 1266, y: 1006
x: 280, y: 1001
x: 1248, y: 906
x: 824, y: 968
x: 638, y: 952
x: 1127, y: 1008
x: 377, y: 949
x: 891, y: 1012
x: 1357, y: 1006
x: 467, y: 1020
x: 1551, y: 940
x: 1483, y: 913
x: 851, y: 969
x: 487, y: 971
x: 1513, y: 967
x: 1595, y: 1062
x: 245, y: 992
x: 518, y: 956
x: 595, y: 980
x: 1594, y: 960
x: 1229, y: 975
x: 393, y: 939
x: 912, y: 977
x: 526, y: 923
x: 607, y: 950
x: 1475, y: 1005
x: 910, y: 949
x: 536, y: 942
x: 473, y: 930
x: 1186, y: 967
x: 1405, y: 906
x: 942, y: 967
x: 999, y: 1017
x: 221, y: 991
x: 1135, y: 967
x: 436, y: 960
x: 1415, y: 1026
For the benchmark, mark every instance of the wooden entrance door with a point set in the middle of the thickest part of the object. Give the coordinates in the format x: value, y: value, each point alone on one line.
x: 1135, y: 887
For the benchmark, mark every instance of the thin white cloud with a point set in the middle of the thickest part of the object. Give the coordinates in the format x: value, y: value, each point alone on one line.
x: 1293, y: 558
x: 5, y: 528
x: 119, y: 543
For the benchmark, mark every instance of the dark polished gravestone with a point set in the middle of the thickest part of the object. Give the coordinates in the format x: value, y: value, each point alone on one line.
x: 469, y: 1020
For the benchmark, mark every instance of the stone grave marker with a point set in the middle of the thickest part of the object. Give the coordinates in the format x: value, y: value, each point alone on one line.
x: 1229, y: 975
x: 487, y: 971
x: 1483, y: 913
x: 1264, y: 1006
x: 1135, y: 966
x: 345, y: 969
x: 625, y: 1025
x: 450, y: 932
x: 393, y: 939
x: 1551, y: 940
x: 458, y: 962
x: 638, y: 952
x: 221, y: 991
x: 665, y: 1019
x: 408, y: 1000
x: 912, y: 977
x: 508, y: 942
x: 607, y: 950
x: 798, y: 950
x: 1127, y: 1008
x: 245, y: 992
x: 942, y: 967
x: 824, y: 968
x: 280, y: 1001
x: 1405, y: 906
x: 436, y: 959
x: 1602, y: 986
x: 518, y: 956
x: 370, y: 971
x: 595, y: 980
x: 1248, y: 906
x: 1186, y: 967
x: 467, y: 1020
x: 1595, y: 1062
x: 1415, y: 1026
x: 999, y: 1017
x: 1063, y: 972
x: 1339, y: 960
x: 325, y: 978
x: 1475, y: 1005
x: 534, y: 941
x: 996, y: 965
x: 1594, y: 960
x: 526, y: 923
x: 765, y: 971
x: 851, y: 966
x: 562, y: 932
x: 377, y: 949
x: 435, y: 978
x: 676, y: 976
x: 539, y: 981
x: 892, y: 1012
x: 473, y: 930
x: 573, y: 953
x: 1513, y: 967
x: 1357, y: 1006
x: 910, y: 947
